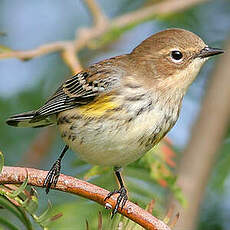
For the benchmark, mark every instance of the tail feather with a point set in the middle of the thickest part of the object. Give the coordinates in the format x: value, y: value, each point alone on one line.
x: 27, y: 120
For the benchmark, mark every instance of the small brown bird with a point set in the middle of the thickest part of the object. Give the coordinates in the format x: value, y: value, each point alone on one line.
x: 116, y: 110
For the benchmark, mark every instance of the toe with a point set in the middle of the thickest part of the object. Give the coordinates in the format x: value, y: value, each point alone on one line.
x: 121, y: 199
x: 52, y: 177
x: 111, y: 194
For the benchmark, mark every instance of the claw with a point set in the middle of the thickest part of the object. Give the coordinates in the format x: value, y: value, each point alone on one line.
x: 52, y: 176
x: 121, y: 199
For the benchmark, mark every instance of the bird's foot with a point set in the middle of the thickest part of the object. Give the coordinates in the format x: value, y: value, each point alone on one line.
x: 52, y: 176
x: 121, y: 199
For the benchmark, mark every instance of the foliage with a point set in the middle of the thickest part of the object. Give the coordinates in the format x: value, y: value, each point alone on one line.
x: 23, y: 205
x: 145, y: 177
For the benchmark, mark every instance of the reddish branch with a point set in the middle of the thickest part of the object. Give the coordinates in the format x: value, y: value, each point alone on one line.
x: 16, y: 175
x: 69, y: 51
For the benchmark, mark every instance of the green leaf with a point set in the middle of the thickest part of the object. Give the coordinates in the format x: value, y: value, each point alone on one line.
x: 31, y: 204
x: 95, y: 171
x: 20, y: 189
x: 17, y: 211
x: 7, y: 224
x: 43, y: 219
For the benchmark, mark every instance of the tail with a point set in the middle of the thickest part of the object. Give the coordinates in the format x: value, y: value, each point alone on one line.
x: 28, y: 119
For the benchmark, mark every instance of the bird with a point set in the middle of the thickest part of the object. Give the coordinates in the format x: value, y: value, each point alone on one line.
x: 116, y: 110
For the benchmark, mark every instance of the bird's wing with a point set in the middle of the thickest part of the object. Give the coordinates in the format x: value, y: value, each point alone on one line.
x: 79, y: 90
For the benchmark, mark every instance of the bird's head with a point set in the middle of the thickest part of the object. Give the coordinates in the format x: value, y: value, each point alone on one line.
x: 172, y: 58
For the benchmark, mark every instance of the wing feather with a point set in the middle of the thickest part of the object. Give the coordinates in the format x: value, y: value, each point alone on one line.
x: 79, y: 90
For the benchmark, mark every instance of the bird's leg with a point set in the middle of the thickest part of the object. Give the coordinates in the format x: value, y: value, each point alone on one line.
x: 123, y: 197
x: 54, y: 172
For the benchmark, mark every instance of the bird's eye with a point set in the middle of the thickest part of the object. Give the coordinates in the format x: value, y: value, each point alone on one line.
x: 176, y: 55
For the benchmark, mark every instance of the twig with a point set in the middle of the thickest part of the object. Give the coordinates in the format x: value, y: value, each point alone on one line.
x: 16, y: 175
x: 70, y: 57
x: 98, y: 16
x: 85, y: 35
x: 161, y: 8
x: 101, y: 27
x: 41, y: 50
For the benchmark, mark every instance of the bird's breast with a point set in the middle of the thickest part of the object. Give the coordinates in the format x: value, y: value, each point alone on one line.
x: 118, y: 137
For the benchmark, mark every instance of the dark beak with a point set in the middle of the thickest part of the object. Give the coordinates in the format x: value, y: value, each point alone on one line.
x: 208, y: 52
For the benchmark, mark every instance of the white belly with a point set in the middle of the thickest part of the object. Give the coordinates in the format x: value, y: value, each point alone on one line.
x: 112, y: 142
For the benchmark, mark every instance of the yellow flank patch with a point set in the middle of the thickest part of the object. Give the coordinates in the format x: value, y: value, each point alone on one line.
x: 99, y: 107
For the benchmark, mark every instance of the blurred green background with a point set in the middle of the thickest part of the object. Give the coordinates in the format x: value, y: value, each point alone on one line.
x: 25, y: 86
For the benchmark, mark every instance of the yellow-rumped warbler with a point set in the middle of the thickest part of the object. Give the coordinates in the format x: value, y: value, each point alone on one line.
x: 116, y: 110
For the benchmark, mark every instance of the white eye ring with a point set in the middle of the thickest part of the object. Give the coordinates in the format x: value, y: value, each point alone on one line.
x: 176, y: 56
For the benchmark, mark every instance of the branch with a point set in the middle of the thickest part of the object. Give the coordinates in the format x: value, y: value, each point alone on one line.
x: 70, y: 58
x: 147, y: 13
x: 41, y: 50
x: 17, y: 175
x: 101, y: 27
x: 98, y: 16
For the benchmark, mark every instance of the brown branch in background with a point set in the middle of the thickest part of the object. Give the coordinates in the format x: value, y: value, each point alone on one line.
x: 157, y: 9
x: 38, y: 148
x: 98, y: 16
x: 69, y: 56
x: 207, y: 136
x: 17, y: 175
x: 69, y: 49
x: 85, y: 35
x: 41, y: 50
